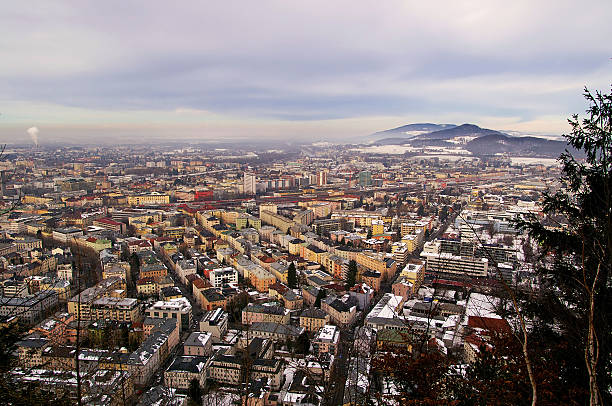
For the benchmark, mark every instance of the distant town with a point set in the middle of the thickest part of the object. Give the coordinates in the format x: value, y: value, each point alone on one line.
x: 168, y: 274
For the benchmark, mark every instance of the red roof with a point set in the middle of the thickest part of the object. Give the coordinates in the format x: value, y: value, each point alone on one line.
x: 487, y: 323
x: 192, y: 277
x: 108, y: 221
x: 266, y: 259
x: 280, y: 288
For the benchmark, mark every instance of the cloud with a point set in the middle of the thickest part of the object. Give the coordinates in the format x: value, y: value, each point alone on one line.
x: 286, y: 64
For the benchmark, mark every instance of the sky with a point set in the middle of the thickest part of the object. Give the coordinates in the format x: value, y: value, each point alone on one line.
x: 126, y: 71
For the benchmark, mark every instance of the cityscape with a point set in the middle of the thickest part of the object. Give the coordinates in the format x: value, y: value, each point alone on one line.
x: 292, y: 204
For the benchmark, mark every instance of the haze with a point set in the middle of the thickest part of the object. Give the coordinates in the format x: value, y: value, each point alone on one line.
x: 99, y: 71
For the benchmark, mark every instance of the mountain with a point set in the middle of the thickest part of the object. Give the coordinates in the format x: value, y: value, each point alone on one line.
x: 477, y: 140
x: 451, y: 133
x: 524, y: 146
x: 464, y: 130
x: 414, y: 129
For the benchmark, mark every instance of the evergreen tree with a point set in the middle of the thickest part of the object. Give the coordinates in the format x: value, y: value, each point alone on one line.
x: 421, y: 210
x: 351, y: 276
x: 292, y: 276
x: 195, y: 392
x: 302, y: 345
x: 320, y: 296
x: 575, y: 299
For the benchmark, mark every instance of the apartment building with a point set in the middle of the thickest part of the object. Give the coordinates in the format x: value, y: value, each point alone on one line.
x: 254, y: 313
x: 339, y: 312
x: 115, y: 308
x: 445, y: 264
x: 179, y: 309
x: 274, y: 331
x: 80, y: 305
x: 28, y: 309
x: 326, y: 340
x: 198, y: 343
x: 148, y: 199
x: 214, y: 322
x: 221, y: 276
x: 313, y: 319
x: 261, y: 279
x: 184, y: 369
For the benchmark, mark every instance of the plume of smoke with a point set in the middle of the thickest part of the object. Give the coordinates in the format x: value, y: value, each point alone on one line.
x: 33, y: 133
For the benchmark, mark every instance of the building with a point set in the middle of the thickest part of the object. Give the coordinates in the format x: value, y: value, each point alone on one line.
x: 148, y: 199
x: 249, y: 183
x: 322, y: 178
x: 212, y: 298
x: 274, y: 331
x: 222, y: 276
x: 179, y: 309
x: 313, y: 319
x: 215, y: 322
x: 30, y: 350
x: 445, y: 264
x: 254, y: 313
x: 110, y: 224
x: 198, y: 343
x: 228, y: 369
x: 183, y: 370
x: 261, y: 279
x: 365, y: 178
x: 154, y: 350
x: 67, y: 235
x: 115, y: 308
x: 81, y: 305
x: 339, y: 312
x: 29, y: 309
x: 64, y: 271
x: 326, y: 340
x: 156, y: 271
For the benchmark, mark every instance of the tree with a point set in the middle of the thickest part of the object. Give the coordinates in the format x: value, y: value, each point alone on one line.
x: 195, y: 392
x: 320, y: 296
x: 576, y: 292
x: 421, y: 210
x: 302, y: 344
x: 292, y: 276
x: 351, y: 276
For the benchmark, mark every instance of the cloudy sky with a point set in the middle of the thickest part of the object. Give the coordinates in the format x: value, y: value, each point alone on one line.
x: 91, y: 70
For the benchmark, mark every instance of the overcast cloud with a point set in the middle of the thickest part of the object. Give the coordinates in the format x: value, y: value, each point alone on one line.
x: 317, y: 69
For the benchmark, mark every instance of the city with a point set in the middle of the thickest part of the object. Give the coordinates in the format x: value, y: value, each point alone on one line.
x: 305, y: 203
x: 277, y: 282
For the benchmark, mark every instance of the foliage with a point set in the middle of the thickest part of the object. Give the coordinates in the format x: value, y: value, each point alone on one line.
x: 292, y: 276
x: 575, y: 298
x: 195, y: 392
x: 322, y: 294
x: 351, y: 276
x: 302, y: 344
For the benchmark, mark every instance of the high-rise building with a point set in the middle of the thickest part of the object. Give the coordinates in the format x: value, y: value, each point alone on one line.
x: 365, y: 178
x: 322, y: 178
x: 250, y: 184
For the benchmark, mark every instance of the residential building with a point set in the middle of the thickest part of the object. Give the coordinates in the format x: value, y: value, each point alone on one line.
x: 198, y: 343
x: 214, y: 322
x: 179, y: 309
x: 313, y: 319
x: 326, y: 340
x: 184, y: 369
x: 254, y: 313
